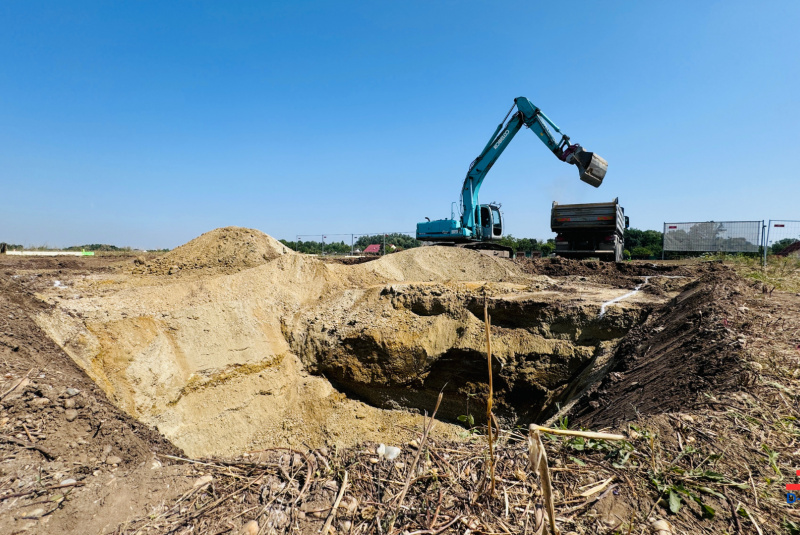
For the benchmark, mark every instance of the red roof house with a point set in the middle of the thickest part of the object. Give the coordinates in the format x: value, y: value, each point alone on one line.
x: 375, y: 248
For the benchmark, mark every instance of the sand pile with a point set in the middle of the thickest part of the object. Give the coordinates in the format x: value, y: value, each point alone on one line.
x: 438, y: 263
x: 222, y: 250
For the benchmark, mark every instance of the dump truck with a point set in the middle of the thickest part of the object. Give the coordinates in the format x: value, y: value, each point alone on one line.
x: 589, y: 230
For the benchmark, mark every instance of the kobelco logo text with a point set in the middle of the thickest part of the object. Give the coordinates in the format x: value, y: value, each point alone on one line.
x: 505, y: 135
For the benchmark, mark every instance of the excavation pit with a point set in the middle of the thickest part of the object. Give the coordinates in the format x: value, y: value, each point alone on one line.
x: 241, y: 344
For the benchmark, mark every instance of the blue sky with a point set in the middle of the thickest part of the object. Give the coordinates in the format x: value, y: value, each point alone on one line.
x: 148, y: 123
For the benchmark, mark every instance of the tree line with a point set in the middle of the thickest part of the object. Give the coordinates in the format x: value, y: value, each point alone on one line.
x: 638, y: 244
x: 394, y: 242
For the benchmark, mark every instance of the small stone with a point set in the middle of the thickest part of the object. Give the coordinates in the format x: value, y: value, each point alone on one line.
x: 70, y: 414
x: 69, y: 403
x: 68, y: 482
x: 40, y: 402
x: 251, y: 528
x: 113, y: 459
x: 36, y: 513
x: 73, y: 392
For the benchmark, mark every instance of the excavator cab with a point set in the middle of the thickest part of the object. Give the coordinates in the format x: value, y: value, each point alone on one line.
x: 491, y: 222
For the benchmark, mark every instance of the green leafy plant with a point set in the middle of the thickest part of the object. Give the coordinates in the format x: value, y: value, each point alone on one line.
x: 467, y: 419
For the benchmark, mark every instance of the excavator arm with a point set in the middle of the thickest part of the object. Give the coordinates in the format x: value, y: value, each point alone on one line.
x: 592, y: 167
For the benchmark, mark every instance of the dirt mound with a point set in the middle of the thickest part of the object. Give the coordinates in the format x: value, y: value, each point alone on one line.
x: 686, y: 348
x: 222, y: 250
x: 440, y: 263
x: 623, y: 275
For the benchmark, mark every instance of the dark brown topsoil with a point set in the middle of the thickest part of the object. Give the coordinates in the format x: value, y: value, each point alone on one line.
x: 620, y: 274
x: 686, y: 348
x: 56, y: 425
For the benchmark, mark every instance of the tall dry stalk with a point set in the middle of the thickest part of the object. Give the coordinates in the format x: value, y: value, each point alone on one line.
x: 537, y: 458
x: 487, y: 322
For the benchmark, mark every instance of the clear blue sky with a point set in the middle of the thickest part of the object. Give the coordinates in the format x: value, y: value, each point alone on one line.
x: 149, y: 123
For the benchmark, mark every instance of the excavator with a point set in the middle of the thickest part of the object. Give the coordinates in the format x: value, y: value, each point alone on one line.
x: 480, y: 226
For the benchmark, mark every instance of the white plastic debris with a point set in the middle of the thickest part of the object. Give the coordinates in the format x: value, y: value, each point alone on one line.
x: 388, y: 452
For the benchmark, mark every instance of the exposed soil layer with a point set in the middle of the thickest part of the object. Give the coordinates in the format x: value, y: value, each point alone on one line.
x: 620, y: 274
x: 399, y: 345
x: 685, y: 349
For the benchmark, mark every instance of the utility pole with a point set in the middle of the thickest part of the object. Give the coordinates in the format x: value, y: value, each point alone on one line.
x: 323, y: 246
x: 384, y: 244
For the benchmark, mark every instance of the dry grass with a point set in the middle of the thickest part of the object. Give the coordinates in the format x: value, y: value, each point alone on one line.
x: 779, y: 273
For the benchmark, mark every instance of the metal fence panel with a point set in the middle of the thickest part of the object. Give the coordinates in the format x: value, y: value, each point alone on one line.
x: 713, y: 236
x: 783, y: 237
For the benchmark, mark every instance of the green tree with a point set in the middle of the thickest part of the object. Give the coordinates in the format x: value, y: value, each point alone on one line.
x: 650, y: 239
x: 316, y: 247
x: 548, y: 248
x: 521, y: 244
x: 400, y: 241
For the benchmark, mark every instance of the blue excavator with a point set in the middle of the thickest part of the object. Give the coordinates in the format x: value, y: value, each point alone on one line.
x: 480, y: 226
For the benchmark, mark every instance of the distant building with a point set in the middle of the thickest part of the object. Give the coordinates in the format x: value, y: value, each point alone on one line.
x: 373, y: 249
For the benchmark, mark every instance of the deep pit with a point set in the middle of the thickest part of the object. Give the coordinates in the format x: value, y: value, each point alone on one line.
x: 247, y: 345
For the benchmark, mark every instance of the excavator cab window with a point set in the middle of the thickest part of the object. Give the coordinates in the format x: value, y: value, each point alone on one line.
x: 497, y: 223
x: 486, y: 216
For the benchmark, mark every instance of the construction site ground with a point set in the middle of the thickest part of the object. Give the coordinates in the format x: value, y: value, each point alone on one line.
x: 233, y: 386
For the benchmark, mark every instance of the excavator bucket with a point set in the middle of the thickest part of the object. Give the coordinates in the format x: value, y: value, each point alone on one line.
x: 592, y: 167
